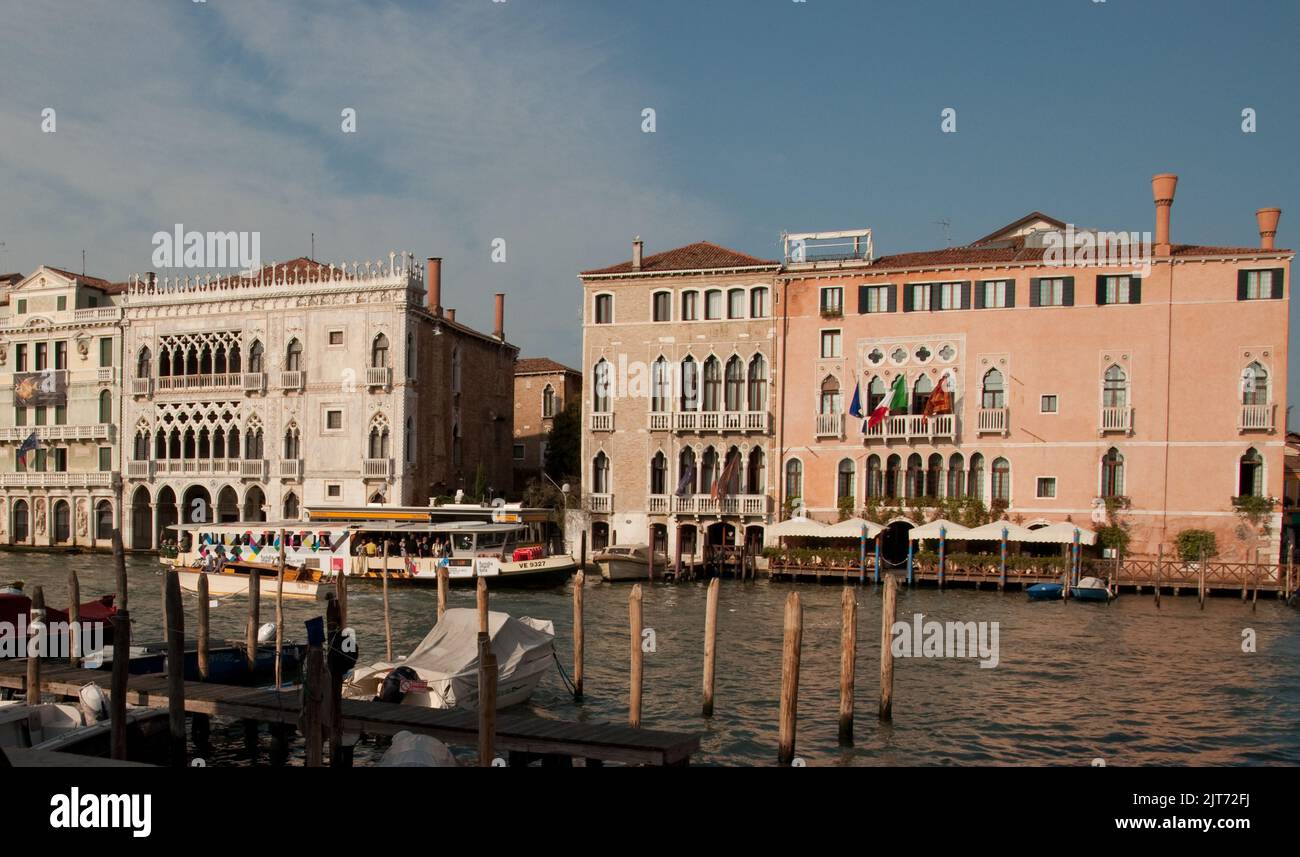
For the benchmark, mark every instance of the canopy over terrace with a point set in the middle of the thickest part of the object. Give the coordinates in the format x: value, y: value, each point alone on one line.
x: 998, y: 530
x: 939, y: 529
x: 797, y: 528
x: 1062, y: 534
x: 852, y: 529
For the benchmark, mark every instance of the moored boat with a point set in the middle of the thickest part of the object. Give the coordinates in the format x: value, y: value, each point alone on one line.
x: 1045, y: 592
x: 1091, y: 589
x: 232, y: 578
x: 627, y: 562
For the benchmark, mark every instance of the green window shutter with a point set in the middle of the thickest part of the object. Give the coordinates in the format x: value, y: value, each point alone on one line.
x: 1033, y: 291
x: 1241, y: 284
x: 1135, y: 290
x: 893, y: 298
x: 965, y: 295
x: 1101, y: 290
x: 862, y: 299
x: 1067, y: 292
x: 1011, y: 291
x: 1279, y: 291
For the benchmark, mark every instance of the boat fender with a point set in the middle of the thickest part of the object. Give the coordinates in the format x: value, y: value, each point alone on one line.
x: 266, y: 634
x: 93, y: 704
x: 391, y: 690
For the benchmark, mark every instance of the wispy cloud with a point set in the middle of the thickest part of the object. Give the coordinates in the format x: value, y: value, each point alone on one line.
x: 475, y: 121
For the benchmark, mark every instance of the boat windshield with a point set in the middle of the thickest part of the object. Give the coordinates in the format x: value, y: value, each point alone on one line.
x: 463, y: 541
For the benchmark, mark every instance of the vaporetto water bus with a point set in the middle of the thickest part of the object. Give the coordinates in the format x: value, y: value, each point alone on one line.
x: 508, y: 545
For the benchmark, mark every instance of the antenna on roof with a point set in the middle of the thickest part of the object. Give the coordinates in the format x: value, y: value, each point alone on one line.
x: 83, y: 263
x: 313, y: 246
x: 947, y: 230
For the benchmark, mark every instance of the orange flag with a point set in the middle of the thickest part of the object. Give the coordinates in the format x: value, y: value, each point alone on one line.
x: 940, y: 401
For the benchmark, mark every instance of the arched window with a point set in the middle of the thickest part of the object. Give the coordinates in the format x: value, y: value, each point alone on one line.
x: 1254, y: 385
x: 292, y: 443
x: 141, y: 450
x: 687, y: 474
x: 709, y: 471
x: 934, y: 476
x: 105, y: 407
x: 845, y: 486
x: 735, y: 399
x: 690, y: 385
x: 1115, y: 390
x: 1251, y: 479
x: 1001, y: 481
x: 379, y: 441
x: 875, y: 393
x: 219, y: 365
x: 736, y: 303
x: 164, y: 363
x: 756, y: 473
x: 160, y: 445
x: 659, y: 474
x: 713, y: 304
x: 975, y: 484
x: 548, y: 402
x: 253, y: 448
x: 994, y: 391
x: 103, y: 520
x: 232, y: 444
x: 830, y: 402
x: 602, y: 398
x: 712, y: 385
x: 915, y: 476
x: 292, y: 511
x: 893, y: 476
x: 1112, y: 474
x: 257, y: 357
x: 293, y: 356
x: 956, y: 475
x: 379, y: 352
x: 233, y: 362
x: 660, y: 386
x: 143, y: 363
x: 921, y: 393
x: 875, y: 477
x: 793, y: 479
x: 758, y: 304
x: 600, y: 474
x: 757, y: 384
x: 732, y: 468
x: 20, y: 525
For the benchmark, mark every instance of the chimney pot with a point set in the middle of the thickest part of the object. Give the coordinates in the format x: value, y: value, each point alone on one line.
x: 638, y: 252
x: 500, y: 330
x: 451, y: 314
x: 1267, y: 219
x: 433, y: 285
x: 1163, y: 188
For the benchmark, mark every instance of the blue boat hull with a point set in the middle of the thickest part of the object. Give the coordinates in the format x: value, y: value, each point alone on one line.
x: 1090, y: 595
x: 1045, y: 592
x: 226, y: 665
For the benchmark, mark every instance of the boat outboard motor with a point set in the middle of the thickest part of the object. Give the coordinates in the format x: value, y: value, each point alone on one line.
x: 266, y: 634
x: 391, y: 689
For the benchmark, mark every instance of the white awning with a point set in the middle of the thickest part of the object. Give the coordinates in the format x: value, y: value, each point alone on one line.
x: 1063, y: 534
x: 852, y: 529
x: 796, y: 527
x: 993, y: 533
x: 933, y: 530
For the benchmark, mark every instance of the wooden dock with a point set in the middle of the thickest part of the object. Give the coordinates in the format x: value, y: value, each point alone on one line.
x: 524, y: 737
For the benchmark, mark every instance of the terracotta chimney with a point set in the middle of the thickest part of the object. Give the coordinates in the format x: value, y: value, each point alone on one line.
x: 1267, y: 219
x: 500, y: 330
x: 638, y: 252
x: 433, y: 284
x: 1163, y: 188
x: 451, y: 314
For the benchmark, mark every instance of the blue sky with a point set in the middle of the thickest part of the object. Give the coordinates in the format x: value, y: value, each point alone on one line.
x: 522, y: 120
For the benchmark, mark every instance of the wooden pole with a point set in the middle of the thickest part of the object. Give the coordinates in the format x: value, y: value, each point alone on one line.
x: 582, y: 555
x: 444, y: 584
x: 121, y: 652
x: 862, y: 557
x: 388, y: 619
x: 910, y: 562
x: 200, y: 724
x: 339, y: 758
x: 341, y: 591
x: 37, y: 647
x: 943, y: 550
x: 1201, y: 583
x: 1002, y: 568
x: 889, y: 608
x: 579, y: 582
x: 279, y: 615
x: 1254, y: 598
x: 482, y: 596
x: 74, y: 618
x: 650, y: 566
x: 848, y: 661
x: 710, y: 643
x: 790, y: 652
x: 175, y: 669
x: 487, y: 706
x: 254, y: 618
x: 314, y: 694
x: 877, y: 571
x: 677, y: 565
x: 634, y: 617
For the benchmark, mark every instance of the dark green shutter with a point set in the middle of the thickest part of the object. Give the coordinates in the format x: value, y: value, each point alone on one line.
x: 1135, y: 290
x: 1241, y: 284
x: 862, y: 299
x: 907, y: 297
x: 1101, y: 290
x: 936, y: 297
x: 1278, y: 291
x: 1011, y: 291
x: 1067, y: 292
x: 893, y: 298
x: 1033, y: 291
x: 979, y: 294
x: 965, y: 295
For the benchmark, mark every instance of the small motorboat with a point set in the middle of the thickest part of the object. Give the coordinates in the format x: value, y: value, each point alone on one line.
x: 442, y: 672
x: 98, y: 613
x: 1091, y: 589
x: 231, y: 578
x: 627, y: 562
x: 82, y: 727
x: 226, y: 664
x: 1045, y: 592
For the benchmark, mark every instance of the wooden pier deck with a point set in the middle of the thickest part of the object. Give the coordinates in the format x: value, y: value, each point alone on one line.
x: 522, y: 736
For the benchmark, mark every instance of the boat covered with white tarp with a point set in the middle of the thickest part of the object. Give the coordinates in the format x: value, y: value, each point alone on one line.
x: 442, y: 672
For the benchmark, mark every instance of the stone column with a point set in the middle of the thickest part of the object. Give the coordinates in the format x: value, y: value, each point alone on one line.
x: 153, y: 531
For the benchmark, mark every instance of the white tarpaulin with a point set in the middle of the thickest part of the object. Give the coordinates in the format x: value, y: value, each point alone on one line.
x: 852, y: 529
x: 934, y: 529
x: 993, y: 533
x: 1062, y: 534
x: 447, y: 661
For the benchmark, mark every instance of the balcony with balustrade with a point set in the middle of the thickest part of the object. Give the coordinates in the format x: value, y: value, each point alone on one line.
x: 994, y: 421
x: 657, y: 504
x: 914, y: 428
x: 95, y: 479
x: 712, y: 422
x: 377, y: 468
x: 140, y: 469
x: 599, y: 504
x: 217, y: 382
x: 254, y: 382
x: 1257, y: 418
x: 379, y: 376
x: 830, y: 427
x: 290, y: 469
x: 1115, y: 420
x: 293, y: 380
x: 141, y: 386
x: 602, y: 422
x: 253, y: 468
x: 103, y: 432
x: 704, y: 505
x: 106, y: 374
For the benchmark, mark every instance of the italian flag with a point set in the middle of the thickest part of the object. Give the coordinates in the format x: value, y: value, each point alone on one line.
x: 896, y: 401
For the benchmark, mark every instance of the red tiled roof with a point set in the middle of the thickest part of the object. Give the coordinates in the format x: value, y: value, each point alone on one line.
x: 82, y: 279
x: 541, y: 366
x: 1019, y: 254
x: 1016, y: 224
x: 700, y: 256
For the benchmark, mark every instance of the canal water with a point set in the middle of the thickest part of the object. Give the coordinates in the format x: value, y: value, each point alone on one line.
x: 1127, y: 683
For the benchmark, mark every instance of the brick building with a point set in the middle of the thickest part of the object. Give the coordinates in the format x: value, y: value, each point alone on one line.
x: 543, y: 388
